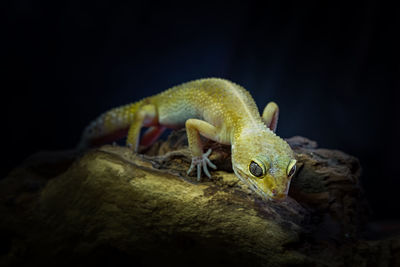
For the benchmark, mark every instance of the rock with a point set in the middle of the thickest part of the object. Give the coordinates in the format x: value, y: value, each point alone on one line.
x: 112, y: 207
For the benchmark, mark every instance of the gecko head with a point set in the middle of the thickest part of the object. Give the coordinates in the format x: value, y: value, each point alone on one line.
x: 265, y: 162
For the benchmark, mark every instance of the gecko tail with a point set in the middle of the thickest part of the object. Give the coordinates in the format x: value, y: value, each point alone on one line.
x: 109, y: 126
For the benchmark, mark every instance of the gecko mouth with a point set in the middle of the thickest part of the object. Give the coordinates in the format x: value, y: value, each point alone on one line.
x: 251, y: 184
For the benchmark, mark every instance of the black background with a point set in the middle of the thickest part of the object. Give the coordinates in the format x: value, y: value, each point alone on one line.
x: 332, y: 68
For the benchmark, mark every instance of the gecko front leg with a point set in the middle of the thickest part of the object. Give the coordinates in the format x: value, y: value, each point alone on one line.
x: 194, y: 128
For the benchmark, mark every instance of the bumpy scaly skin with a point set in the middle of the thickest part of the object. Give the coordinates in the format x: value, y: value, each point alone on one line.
x: 217, y: 109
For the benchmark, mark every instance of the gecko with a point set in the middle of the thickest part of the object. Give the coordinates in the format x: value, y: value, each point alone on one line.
x: 216, y: 109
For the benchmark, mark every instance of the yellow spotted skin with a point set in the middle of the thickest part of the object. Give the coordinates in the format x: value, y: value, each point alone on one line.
x: 219, y: 110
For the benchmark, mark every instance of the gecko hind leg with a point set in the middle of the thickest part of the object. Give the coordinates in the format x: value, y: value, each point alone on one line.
x: 194, y: 128
x: 270, y: 115
x: 146, y: 116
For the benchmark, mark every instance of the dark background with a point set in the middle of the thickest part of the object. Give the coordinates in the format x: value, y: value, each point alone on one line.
x: 333, y: 69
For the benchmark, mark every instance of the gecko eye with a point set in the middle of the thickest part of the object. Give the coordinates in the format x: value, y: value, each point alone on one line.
x: 255, y: 169
x: 291, y: 168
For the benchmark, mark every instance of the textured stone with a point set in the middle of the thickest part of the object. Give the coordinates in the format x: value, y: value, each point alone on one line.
x: 111, y: 207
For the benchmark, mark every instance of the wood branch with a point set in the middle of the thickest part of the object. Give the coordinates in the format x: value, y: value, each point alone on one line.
x: 112, y: 206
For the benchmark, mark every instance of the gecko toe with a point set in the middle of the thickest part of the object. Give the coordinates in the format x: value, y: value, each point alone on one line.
x: 190, y: 168
x: 198, y: 171
x: 205, y: 169
x: 209, y: 163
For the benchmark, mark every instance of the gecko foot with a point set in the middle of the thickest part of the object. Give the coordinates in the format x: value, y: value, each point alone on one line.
x: 202, y: 162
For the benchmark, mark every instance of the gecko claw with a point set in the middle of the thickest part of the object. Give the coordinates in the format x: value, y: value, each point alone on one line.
x: 202, y: 161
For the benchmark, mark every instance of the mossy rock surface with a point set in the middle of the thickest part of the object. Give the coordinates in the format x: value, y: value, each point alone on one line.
x: 112, y: 207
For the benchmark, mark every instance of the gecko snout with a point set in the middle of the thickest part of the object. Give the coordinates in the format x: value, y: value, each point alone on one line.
x: 276, y: 196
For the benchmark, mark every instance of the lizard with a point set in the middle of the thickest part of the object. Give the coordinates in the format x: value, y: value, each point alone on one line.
x: 214, y: 108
